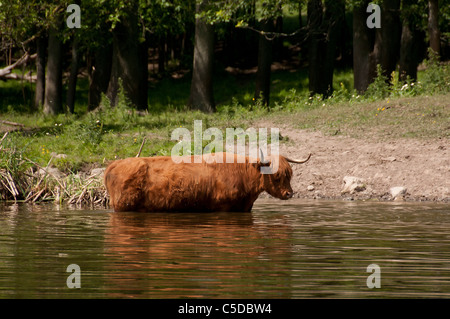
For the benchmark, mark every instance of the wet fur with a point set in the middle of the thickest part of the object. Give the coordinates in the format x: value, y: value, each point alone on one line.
x: 159, y: 184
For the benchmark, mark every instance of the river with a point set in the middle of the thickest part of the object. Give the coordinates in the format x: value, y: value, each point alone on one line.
x: 283, y: 249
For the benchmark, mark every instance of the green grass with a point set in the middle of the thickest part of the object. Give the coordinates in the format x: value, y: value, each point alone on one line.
x: 390, y: 118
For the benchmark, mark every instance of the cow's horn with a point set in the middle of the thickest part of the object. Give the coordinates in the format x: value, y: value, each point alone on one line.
x: 261, y: 159
x: 297, y: 160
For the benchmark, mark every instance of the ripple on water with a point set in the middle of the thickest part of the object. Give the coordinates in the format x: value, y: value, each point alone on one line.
x: 283, y: 249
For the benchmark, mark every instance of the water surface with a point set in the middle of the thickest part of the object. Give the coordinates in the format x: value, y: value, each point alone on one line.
x: 283, y: 249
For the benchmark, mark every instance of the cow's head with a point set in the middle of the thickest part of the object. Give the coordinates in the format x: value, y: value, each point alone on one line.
x: 278, y: 183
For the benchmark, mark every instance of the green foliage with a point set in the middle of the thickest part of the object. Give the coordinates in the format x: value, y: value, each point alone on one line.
x: 379, y: 88
x: 19, y: 20
x: 12, y: 166
x: 164, y: 17
x: 242, y: 12
x: 436, y: 77
x: 121, y: 113
x: 88, y: 133
x: 408, y: 88
x: 11, y: 156
x: 415, y: 13
x: 341, y: 94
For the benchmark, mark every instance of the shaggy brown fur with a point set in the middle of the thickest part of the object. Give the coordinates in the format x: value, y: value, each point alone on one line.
x: 158, y: 184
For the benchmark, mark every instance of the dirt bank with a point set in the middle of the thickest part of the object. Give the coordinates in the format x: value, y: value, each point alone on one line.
x: 421, y: 166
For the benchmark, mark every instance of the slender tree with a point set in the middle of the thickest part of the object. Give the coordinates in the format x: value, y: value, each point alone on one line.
x: 201, y: 96
x: 387, y: 38
x: 25, y: 22
x: 53, y: 80
x: 265, y: 48
x: 99, y: 71
x: 129, y: 61
x: 325, y: 25
x: 73, y: 76
x: 433, y: 26
x: 316, y: 46
x: 41, y: 49
x: 412, y: 39
x: 379, y: 46
x: 94, y: 41
x: 334, y: 20
x: 162, y: 54
x: 363, y: 38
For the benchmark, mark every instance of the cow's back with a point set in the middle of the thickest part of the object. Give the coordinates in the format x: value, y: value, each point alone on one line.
x: 198, y: 186
x: 160, y: 184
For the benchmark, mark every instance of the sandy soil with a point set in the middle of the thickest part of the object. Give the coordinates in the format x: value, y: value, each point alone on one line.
x: 421, y: 166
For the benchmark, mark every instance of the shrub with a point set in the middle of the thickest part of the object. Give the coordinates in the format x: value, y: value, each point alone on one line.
x: 436, y: 77
x: 379, y: 88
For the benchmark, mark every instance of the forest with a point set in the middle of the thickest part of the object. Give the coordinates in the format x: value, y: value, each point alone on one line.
x: 132, y: 44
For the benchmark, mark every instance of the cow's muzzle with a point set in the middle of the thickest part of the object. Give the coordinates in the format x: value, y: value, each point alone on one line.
x: 288, y: 194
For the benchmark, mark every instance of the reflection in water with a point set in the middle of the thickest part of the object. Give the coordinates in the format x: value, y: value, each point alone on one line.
x: 292, y: 249
x: 197, y: 255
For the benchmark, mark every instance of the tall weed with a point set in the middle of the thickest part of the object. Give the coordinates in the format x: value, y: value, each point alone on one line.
x: 436, y: 77
x: 379, y: 88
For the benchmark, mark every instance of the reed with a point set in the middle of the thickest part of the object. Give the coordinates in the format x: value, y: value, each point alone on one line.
x: 31, y: 183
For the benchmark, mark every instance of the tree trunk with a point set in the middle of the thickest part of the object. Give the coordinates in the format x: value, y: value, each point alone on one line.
x: 325, y: 30
x: 162, y: 55
x: 363, y: 38
x: 316, y: 46
x: 72, y: 85
x: 201, y: 95
x: 128, y: 62
x: 375, y: 46
x: 53, y: 81
x: 277, y: 42
x: 411, y: 43
x: 433, y: 26
x: 334, y: 19
x: 262, y: 88
x: 39, y: 96
x: 387, y: 42
x: 99, y: 75
x: 143, y: 56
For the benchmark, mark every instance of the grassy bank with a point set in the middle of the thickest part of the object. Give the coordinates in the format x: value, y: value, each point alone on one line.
x: 77, y: 144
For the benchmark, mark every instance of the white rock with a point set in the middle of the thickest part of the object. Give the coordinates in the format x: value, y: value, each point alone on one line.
x: 52, y: 171
x: 58, y: 155
x: 310, y: 188
x: 397, y: 191
x: 353, y: 184
x: 98, y: 172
